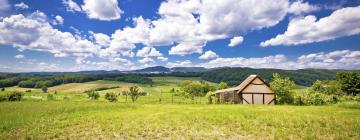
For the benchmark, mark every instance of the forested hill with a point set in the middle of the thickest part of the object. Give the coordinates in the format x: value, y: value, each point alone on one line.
x: 234, y: 76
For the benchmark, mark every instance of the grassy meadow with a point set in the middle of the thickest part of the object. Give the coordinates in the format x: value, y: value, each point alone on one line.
x: 71, y: 115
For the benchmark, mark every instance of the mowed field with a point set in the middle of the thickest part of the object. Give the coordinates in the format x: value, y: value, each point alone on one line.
x: 71, y: 115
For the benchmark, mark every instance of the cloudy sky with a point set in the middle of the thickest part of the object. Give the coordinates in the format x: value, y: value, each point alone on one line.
x: 75, y: 35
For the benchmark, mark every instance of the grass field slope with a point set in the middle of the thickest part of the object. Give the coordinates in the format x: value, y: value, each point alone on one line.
x: 159, y: 115
x: 104, y: 120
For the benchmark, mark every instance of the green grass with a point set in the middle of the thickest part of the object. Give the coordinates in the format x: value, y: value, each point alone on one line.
x: 73, y: 116
x: 104, y: 120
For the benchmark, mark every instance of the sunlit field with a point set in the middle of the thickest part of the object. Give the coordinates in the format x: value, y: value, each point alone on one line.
x: 161, y: 115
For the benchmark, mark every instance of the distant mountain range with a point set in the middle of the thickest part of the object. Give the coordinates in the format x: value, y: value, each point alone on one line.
x: 156, y: 69
x: 161, y: 69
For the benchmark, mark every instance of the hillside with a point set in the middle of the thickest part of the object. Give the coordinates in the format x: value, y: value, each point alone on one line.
x: 235, y: 76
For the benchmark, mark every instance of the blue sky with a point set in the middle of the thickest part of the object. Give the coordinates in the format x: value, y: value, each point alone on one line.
x: 75, y: 35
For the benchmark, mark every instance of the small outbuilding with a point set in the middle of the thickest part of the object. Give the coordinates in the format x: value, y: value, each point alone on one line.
x: 253, y: 90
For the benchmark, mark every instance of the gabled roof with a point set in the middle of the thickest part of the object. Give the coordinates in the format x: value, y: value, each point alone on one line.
x: 243, y: 85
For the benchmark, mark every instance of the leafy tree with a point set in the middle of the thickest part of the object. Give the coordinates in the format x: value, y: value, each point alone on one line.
x: 15, y: 96
x: 331, y: 87
x: 112, y: 97
x: 282, y: 88
x: 135, y: 93
x: 222, y: 85
x: 93, y: 95
x: 210, y: 97
x: 192, y: 89
x: 350, y: 81
x: 44, y: 89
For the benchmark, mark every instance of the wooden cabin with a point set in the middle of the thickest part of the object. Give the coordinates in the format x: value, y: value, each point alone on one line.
x: 253, y: 90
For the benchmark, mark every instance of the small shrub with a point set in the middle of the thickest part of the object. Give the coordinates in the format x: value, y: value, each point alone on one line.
x: 15, y: 96
x: 50, y: 97
x: 93, y: 95
x: 66, y: 98
x: 44, y: 89
x: 112, y: 97
x: 3, y: 98
x: 55, y: 92
x: 28, y: 91
x: 2, y: 89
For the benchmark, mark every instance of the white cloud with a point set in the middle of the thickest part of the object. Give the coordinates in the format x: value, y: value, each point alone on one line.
x: 59, y: 20
x: 236, y: 41
x: 186, y: 63
x: 19, y: 56
x: 300, y: 7
x: 208, y: 55
x: 161, y: 58
x: 342, y: 59
x: 101, y: 39
x: 21, y: 5
x: 42, y: 66
x: 276, y: 61
x: 146, y: 60
x: 33, y: 32
x: 71, y: 6
x: 148, y: 52
x: 102, y: 9
x: 189, y: 25
x: 185, y: 48
x: 342, y: 22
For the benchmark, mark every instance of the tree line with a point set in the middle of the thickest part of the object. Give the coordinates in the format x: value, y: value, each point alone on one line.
x: 39, y: 81
x: 234, y: 76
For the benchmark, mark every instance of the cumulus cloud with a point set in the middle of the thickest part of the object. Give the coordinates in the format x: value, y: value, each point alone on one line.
x: 21, y: 5
x: 19, y: 56
x: 161, y: 58
x: 342, y: 22
x: 71, y: 6
x: 148, y: 52
x: 208, y: 55
x: 33, y: 32
x: 236, y: 41
x: 102, y: 9
x: 59, y: 20
x: 300, y: 7
x: 188, y: 25
x: 186, y: 63
x: 146, y: 60
x: 341, y: 59
x: 100, y: 38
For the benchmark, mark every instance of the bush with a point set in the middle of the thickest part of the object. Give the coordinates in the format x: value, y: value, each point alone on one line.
x: 3, y: 98
x: 2, y: 89
x: 15, y: 96
x: 93, y: 95
x: 282, y: 88
x: 315, y: 98
x: 44, y: 89
x: 50, y: 97
x: 112, y: 97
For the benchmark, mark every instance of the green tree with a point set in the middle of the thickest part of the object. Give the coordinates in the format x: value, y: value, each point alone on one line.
x: 331, y: 87
x: 44, y: 89
x: 192, y: 89
x: 93, y: 95
x: 350, y: 81
x: 282, y: 88
x: 112, y: 97
x: 135, y: 93
x: 222, y: 85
